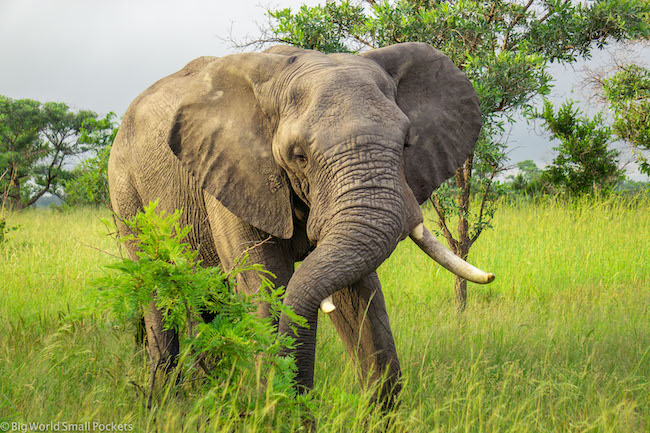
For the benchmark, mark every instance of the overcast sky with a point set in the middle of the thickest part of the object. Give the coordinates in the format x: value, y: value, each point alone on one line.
x: 100, y: 55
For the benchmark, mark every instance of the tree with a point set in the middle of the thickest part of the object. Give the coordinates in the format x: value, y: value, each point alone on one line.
x: 584, y: 162
x: 20, y: 147
x: 503, y: 46
x: 528, y: 180
x: 37, y: 144
x: 5, y: 229
x: 88, y: 184
x: 623, y: 87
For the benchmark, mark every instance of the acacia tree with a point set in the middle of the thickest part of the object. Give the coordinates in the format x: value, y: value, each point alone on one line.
x: 37, y: 144
x: 20, y: 124
x: 503, y: 46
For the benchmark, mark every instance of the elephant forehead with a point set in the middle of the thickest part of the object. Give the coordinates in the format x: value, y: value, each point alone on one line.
x: 355, y: 65
x: 328, y: 84
x: 333, y: 116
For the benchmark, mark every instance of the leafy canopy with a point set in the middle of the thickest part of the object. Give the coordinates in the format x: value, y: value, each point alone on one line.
x: 628, y: 93
x: 88, y: 183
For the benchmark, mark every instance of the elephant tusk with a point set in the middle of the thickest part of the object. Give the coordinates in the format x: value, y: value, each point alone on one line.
x: 448, y: 260
x: 327, y: 306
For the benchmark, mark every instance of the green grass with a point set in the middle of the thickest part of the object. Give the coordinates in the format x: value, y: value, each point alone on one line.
x: 559, y: 342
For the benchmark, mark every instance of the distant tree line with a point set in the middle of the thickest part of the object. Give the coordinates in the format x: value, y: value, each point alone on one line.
x: 585, y: 161
x: 48, y: 148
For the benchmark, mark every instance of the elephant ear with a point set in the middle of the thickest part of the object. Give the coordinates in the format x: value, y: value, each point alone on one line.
x: 222, y: 136
x: 443, y: 109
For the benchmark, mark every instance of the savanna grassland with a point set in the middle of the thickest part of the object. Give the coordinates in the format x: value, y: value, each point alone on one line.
x: 560, y: 342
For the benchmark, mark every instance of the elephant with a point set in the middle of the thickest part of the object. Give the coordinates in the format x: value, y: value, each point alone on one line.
x: 294, y: 155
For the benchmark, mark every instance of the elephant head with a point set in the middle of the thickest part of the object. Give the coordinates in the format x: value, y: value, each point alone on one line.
x: 358, y: 141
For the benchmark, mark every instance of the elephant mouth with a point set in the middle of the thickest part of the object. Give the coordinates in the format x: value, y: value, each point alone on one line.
x: 442, y: 255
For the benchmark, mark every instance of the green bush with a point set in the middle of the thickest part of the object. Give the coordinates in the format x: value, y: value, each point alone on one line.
x: 236, y: 353
x: 586, y: 163
x: 89, y: 181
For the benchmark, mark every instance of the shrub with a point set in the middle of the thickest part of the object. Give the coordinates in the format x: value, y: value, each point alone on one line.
x: 232, y: 356
x: 89, y: 181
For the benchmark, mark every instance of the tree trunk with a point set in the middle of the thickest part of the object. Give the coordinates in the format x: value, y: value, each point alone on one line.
x: 460, y: 293
x: 460, y: 284
x: 13, y: 192
x: 462, y: 246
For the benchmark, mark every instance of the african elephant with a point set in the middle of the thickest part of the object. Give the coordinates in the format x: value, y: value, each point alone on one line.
x: 312, y: 157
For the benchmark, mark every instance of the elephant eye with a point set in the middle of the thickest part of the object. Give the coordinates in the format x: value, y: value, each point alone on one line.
x: 407, y: 139
x: 298, y: 154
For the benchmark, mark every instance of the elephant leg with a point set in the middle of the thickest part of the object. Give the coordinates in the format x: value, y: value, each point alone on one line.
x: 362, y: 322
x: 234, y: 238
x: 162, y: 345
x: 126, y: 203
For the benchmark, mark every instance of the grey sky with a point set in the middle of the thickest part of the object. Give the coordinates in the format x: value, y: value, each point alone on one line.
x: 100, y: 55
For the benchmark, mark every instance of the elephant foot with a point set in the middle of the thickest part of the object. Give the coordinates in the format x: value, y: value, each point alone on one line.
x: 388, y: 396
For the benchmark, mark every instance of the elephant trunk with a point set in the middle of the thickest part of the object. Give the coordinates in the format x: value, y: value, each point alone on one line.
x: 353, y: 244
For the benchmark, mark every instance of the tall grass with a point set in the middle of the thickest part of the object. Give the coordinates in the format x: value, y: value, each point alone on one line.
x: 559, y: 342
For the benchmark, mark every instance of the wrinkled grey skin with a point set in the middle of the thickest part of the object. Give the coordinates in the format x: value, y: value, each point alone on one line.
x: 326, y: 157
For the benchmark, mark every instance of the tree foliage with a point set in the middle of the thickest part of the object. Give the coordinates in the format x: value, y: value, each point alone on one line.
x: 528, y: 180
x: 585, y: 163
x: 88, y: 183
x: 503, y: 46
x: 628, y: 94
x: 38, y: 143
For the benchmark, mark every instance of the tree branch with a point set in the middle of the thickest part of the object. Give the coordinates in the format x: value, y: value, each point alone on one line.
x: 50, y: 178
x: 40, y: 194
x: 479, y: 228
x: 463, y: 180
x: 512, y: 25
x: 363, y: 41
x: 442, y: 222
x: 490, y: 16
